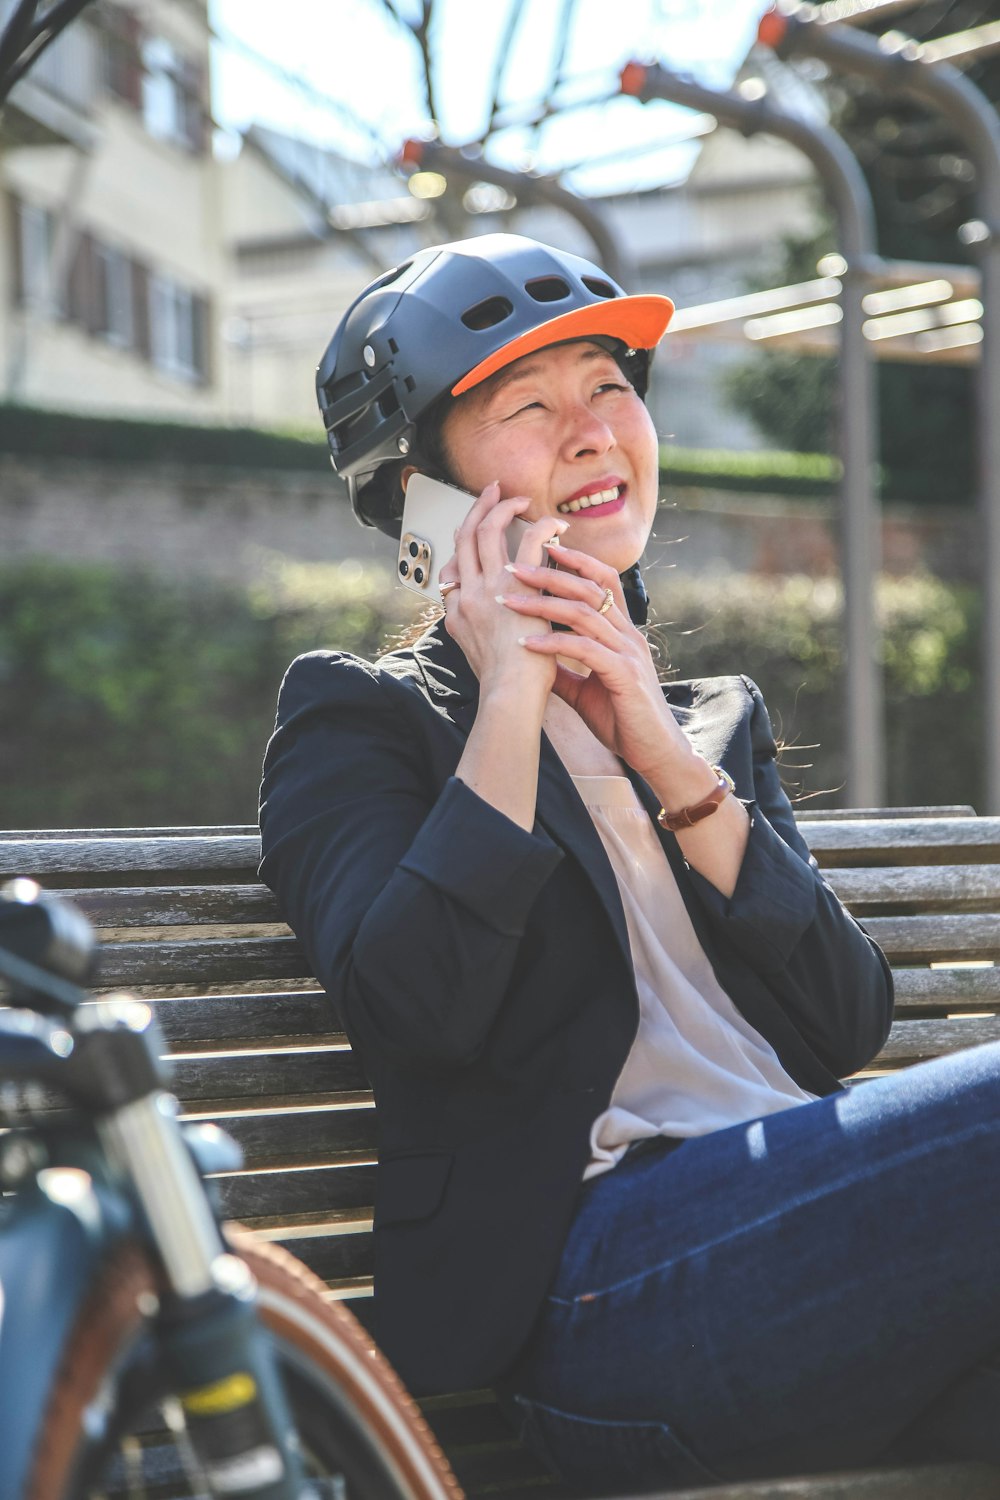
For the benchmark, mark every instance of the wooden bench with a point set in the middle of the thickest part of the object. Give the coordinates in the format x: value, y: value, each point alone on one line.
x: 257, y: 1047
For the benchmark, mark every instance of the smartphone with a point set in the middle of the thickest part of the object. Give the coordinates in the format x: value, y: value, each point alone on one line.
x: 432, y: 513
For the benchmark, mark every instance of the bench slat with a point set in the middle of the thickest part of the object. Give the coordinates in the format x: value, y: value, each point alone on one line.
x: 295, y: 1134
x: 915, y: 1041
x: 959, y: 988
x: 927, y: 939
x: 46, y: 859
x: 906, y: 841
x: 925, y: 888
x: 201, y: 961
x: 197, y: 1021
x: 176, y: 905
x: 253, y: 1195
x: 284, y: 1074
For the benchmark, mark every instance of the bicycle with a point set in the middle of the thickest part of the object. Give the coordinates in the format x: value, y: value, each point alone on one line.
x: 145, y: 1348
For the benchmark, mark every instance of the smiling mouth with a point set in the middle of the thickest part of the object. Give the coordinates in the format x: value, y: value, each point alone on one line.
x: 600, y: 500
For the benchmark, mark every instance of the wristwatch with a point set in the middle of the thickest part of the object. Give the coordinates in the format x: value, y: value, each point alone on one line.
x: 688, y: 816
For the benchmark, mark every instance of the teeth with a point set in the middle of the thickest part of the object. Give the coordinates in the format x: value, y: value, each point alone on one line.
x: 586, y: 501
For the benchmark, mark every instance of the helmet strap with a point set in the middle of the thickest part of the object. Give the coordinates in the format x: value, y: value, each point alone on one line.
x: 636, y: 597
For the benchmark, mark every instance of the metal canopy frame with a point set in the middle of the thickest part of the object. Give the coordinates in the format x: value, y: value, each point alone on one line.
x: 895, y: 63
x: 850, y: 199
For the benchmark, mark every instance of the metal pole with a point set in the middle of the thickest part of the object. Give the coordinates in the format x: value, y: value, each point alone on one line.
x: 432, y: 156
x: 903, y: 66
x: 860, y: 533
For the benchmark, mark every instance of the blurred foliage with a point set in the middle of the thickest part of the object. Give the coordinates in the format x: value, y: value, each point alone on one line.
x: 35, y: 431
x: 803, y: 475
x: 926, y: 429
x: 785, y: 633
x: 135, y: 701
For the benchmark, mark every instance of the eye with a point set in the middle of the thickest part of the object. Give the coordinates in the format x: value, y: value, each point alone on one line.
x: 612, y: 385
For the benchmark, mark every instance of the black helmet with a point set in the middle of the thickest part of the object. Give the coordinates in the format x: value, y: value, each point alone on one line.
x: 442, y: 322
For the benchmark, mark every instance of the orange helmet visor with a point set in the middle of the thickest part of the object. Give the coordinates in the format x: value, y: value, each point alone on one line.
x: 639, y: 322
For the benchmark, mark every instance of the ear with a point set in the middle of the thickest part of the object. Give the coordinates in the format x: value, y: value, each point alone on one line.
x: 404, y: 477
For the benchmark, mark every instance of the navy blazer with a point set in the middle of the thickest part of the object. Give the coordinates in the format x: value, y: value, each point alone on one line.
x: 484, y: 973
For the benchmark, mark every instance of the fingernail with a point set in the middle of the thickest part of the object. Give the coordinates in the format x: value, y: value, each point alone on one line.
x: 500, y: 598
x: 510, y: 567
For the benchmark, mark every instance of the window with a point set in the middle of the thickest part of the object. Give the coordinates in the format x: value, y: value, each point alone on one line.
x: 114, y: 273
x: 171, y: 102
x: 35, y: 228
x: 178, y: 330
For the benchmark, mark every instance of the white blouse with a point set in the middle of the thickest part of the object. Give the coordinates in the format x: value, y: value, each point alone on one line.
x: 696, y: 1065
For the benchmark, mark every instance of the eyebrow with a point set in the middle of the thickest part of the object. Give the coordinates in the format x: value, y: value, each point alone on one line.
x: 521, y: 371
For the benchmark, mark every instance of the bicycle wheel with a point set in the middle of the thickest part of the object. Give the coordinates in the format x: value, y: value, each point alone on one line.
x: 112, y: 1429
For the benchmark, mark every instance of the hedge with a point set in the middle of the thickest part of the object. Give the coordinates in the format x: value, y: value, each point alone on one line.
x: 138, y: 701
x: 36, y: 432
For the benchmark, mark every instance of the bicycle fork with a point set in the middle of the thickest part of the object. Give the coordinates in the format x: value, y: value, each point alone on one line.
x: 219, y: 1358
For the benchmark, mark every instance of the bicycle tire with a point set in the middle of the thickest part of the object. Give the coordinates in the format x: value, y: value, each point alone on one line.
x: 356, y: 1420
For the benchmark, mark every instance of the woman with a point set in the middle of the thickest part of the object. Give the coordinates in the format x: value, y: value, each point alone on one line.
x: 602, y: 993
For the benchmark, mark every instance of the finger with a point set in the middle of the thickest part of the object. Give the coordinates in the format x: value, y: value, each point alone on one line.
x: 466, y: 537
x: 578, y: 617
x: 582, y: 564
x: 563, y: 585
x: 491, y: 531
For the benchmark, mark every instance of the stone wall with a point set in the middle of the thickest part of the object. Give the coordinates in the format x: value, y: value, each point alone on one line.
x: 227, y: 524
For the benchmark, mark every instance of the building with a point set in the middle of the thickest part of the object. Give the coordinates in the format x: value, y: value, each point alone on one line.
x: 138, y: 273
x: 309, y: 229
x: 113, y: 260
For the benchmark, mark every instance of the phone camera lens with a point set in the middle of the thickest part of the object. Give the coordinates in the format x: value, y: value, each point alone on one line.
x: 404, y: 568
x: 414, y: 549
x: 418, y: 575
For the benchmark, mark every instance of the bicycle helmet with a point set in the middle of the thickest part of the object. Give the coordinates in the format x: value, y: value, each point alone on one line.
x: 445, y: 320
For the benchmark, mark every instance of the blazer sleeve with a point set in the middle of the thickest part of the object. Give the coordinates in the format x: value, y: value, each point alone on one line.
x: 409, y: 897
x: 830, y: 977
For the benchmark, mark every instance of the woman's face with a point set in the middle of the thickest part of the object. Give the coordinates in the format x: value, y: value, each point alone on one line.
x: 565, y: 428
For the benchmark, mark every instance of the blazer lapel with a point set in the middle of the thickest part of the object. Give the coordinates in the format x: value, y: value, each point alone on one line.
x: 452, y: 686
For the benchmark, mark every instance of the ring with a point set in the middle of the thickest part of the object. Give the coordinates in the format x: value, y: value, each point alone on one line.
x: 446, y: 588
x: 609, y: 599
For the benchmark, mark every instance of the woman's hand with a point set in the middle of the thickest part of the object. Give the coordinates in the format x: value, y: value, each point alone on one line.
x: 621, y: 700
x: 473, y: 579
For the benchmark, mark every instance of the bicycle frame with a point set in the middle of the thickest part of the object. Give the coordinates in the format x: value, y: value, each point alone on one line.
x: 123, y: 1167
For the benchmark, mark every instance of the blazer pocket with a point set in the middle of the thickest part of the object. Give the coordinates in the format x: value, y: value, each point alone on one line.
x: 410, y: 1186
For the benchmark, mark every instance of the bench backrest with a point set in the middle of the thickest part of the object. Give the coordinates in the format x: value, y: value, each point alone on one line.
x: 186, y: 924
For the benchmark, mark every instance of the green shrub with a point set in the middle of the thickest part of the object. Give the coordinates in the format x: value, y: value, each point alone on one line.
x: 133, y: 700
x: 38, y: 432
x: 800, y: 474
x: 786, y: 634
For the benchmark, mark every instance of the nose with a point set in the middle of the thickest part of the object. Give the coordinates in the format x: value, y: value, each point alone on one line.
x: 587, y: 432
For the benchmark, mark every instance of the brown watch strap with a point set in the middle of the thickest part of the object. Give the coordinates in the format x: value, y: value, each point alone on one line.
x: 688, y: 816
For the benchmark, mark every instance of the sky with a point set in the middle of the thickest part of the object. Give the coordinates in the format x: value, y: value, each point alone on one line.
x: 344, y: 74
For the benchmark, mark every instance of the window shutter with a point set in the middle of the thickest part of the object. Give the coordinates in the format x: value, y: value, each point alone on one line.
x: 140, y: 310
x: 196, y: 122
x: 15, y: 235
x: 132, y: 60
x: 201, y: 312
x: 86, y: 291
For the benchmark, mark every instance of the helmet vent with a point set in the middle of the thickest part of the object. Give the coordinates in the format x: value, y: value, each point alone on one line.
x: 547, y: 289
x: 487, y: 314
x: 599, y: 288
x: 388, y: 404
x: 388, y: 278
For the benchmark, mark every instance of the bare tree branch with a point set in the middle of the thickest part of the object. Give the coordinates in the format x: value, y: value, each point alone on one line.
x: 555, y: 76
x: 422, y: 33
x: 500, y: 63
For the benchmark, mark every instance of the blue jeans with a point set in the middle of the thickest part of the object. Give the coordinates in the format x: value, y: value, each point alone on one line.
x: 816, y: 1289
